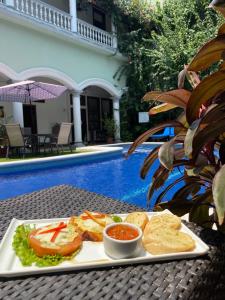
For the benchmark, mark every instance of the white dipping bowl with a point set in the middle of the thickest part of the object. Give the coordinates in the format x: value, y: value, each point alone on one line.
x: 119, y: 249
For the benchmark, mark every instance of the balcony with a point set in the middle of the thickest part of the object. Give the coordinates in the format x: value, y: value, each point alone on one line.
x: 48, y: 14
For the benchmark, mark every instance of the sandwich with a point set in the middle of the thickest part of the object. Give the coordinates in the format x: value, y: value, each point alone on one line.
x: 91, y: 225
x: 58, y: 238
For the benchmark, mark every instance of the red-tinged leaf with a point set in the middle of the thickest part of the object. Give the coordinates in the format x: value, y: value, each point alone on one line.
x: 179, y: 153
x: 192, y: 77
x: 189, y: 138
x: 169, y: 187
x: 209, y: 87
x: 181, y: 78
x: 159, y: 178
x: 207, y: 135
x: 148, y: 162
x: 218, y: 191
x: 218, y: 5
x: 187, y: 190
x: 177, y: 97
x: 161, y: 108
x: 166, y: 154
x: 221, y: 30
x: 207, y: 173
x: 146, y: 135
x: 209, y: 54
x: 214, y: 112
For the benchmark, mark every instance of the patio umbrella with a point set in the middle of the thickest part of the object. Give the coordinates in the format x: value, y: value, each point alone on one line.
x: 28, y: 91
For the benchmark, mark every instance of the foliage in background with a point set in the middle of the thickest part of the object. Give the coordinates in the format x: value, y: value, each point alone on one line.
x: 199, y: 145
x: 158, y: 41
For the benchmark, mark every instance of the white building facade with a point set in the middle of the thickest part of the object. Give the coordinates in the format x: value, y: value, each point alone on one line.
x: 67, y: 42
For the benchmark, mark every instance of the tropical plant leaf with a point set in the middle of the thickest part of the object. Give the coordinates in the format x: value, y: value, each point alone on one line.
x: 192, y: 77
x: 214, y: 112
x: 148, y: 162
x: 169, y: 187
x: 166, y: 154
x: 179, y: 207
x: 158, y: 179
x: 210, y: 87
x: 199, y: 213
x: 146, y: 135
x: 161, y: 108
x: 177, y: 97
x: 210, y: 53
x: 181, y: 119
x: 160, y: 176
x: 192, y: 186
x: 207, y: 173
x: 179, y: 153
x: 221, y: 30
x: 218, y: 5
x: 189, y: 137
x: 207, y: 135
x: 181, y: 78
x: 218, y: 191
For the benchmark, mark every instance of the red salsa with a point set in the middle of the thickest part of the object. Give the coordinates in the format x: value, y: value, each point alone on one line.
x: 122, y: 232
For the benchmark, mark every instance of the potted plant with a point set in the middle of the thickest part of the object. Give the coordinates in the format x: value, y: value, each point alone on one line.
x: 200, y: 134
x: 110, y: 128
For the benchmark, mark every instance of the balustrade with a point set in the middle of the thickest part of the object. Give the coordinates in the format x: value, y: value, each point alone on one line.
x: 44, y: 12
x: 50, y: 14
x: 93, y: 33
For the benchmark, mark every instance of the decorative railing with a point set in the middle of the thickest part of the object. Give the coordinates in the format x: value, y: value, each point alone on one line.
x: 44, y: 12
x: 93, y: 33
x: 49, y: 14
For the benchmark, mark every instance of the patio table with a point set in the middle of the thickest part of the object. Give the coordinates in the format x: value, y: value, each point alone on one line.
x: 38, y: 140
x: 199, y: 278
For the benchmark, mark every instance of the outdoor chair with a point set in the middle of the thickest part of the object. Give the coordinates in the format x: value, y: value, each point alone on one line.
x: 62, y: 139
x: 167, y: 133
x: 162, y: 136
x: 16, y: 139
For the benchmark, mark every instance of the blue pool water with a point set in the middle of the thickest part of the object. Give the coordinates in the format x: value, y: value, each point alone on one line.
x: 117, y: 178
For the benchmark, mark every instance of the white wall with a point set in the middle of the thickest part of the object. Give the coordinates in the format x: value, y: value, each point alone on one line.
x: 51, y: 112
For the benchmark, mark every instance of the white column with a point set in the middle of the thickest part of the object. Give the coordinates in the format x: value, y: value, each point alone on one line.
x: 73, y: 13
x: 18, y: 113
x: 77, y: 119
x: 9, y: 2
x: 116, y: 116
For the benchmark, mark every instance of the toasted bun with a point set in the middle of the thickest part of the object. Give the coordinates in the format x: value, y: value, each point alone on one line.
x: 71, y: 242
x: 167, y: 240
x: 137, y: 218
x: 90, y: 230
x: 163, y: 221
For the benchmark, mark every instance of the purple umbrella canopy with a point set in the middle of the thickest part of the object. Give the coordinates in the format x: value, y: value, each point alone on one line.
x: 28, y: 91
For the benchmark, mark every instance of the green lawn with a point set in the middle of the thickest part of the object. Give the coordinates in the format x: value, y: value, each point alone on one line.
x: 41, y: 155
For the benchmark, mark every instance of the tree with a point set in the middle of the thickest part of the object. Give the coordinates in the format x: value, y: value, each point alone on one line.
x: 158, y: 41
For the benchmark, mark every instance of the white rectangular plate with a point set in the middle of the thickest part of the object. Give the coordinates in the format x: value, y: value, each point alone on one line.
x: 92, y: 254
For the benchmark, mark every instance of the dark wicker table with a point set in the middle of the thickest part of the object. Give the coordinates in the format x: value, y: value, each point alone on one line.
x: 200, y: 278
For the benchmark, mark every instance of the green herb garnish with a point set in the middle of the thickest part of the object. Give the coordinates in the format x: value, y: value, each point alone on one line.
x: 116, y: 219
x: 26, y: 254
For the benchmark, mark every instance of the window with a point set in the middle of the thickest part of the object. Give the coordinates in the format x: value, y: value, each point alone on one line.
x: 99, y: 18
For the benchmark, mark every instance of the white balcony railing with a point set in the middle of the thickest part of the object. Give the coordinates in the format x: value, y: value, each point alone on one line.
x: 49, y: 14
x: 44, y: 12
x: 93, y: 33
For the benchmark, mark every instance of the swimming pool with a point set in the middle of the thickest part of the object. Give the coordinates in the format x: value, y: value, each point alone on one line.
x: 115, y: 177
